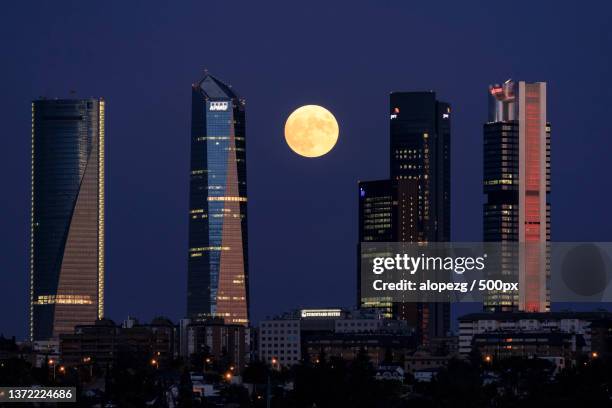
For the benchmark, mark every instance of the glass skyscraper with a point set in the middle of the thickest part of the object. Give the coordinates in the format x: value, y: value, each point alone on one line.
x: 217, y: 284
x: 420, y: 154
x: 420, y: 151
x: 67, y: 216
x: 387, y: 213
x: 516, y: 184
x: 414, y: 204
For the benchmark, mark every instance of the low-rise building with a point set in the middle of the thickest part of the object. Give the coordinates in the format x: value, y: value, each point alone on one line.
x: 305, y: 334
x: 390, y: 373
x: 504, y: 344
x: 423, y: 360
x: 280, y: 342
x: 224, y: 345
x: 8, y: 348
x: 529, y: 334
x: 104, y: 342
x: 381, y: 348
x: 426, y: 374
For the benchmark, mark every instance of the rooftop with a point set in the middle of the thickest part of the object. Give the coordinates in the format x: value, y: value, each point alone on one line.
x: 213, y: 88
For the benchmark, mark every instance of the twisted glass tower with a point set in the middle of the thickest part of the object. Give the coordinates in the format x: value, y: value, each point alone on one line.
x: 217, y: 282
x: 67, y: 216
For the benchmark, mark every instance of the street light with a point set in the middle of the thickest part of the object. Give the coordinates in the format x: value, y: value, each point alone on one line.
x: 594, y: 354
x: 52, y: 364
x: 155, y: 363
x: 488, y: 359
x: 87, y: 360
x: 228, y: 376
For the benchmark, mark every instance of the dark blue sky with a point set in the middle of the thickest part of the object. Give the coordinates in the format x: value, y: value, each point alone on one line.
x: 347, y: 56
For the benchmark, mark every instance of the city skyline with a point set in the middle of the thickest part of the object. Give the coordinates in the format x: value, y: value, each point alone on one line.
x: 145, y: 88
x: 218, y: 117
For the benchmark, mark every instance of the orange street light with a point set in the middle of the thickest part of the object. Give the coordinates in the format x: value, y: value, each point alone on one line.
x: 62, y: 369
x: 594, y: 354
x: 488, y: 359
x: 228, y: 376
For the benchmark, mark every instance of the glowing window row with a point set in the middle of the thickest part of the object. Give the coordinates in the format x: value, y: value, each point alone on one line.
x: 210, y: 248
x: 228, y: 198
x: 63, y: 300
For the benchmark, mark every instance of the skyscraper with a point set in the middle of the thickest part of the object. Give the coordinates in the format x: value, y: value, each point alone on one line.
x: 217, y: 284
x: 414, y: 205
x: 420, y: 152
x: 67, y: 216
x: 516, y: 185
x: 387, y: 213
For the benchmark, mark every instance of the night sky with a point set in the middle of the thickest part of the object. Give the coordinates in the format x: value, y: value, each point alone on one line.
x: 142, y: 57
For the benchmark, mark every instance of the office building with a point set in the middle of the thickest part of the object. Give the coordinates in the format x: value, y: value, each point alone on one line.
x: 104, y: 343
x: 387, y: 213
x: 67, y: 216
x: 414, y: 205
x: 217, y: 284
x: 308, y: 333
x: 280, y: 342
x: 221, y: 345
x: 516, y: 185
x: 420, y: 151
x: 533, y: 334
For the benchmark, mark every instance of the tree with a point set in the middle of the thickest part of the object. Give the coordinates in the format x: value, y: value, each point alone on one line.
x: 185, y: 397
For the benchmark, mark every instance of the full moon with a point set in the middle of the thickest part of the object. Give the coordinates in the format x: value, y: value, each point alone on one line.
x: 311, y: 131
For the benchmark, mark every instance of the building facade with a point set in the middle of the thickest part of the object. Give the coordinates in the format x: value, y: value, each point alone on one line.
x: 381, y: 348
x: 307, y: 334
x: 414, y: 205
x: 217, y: 284
x: 530, y: 333
x: 104, y: 343
x: 420, y: 144
x: 224, y: 345
x: 387, y: 213
x: 420, y: 151
x: 280, y: 342
x: 67, y: 216
x: 516, y: 184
